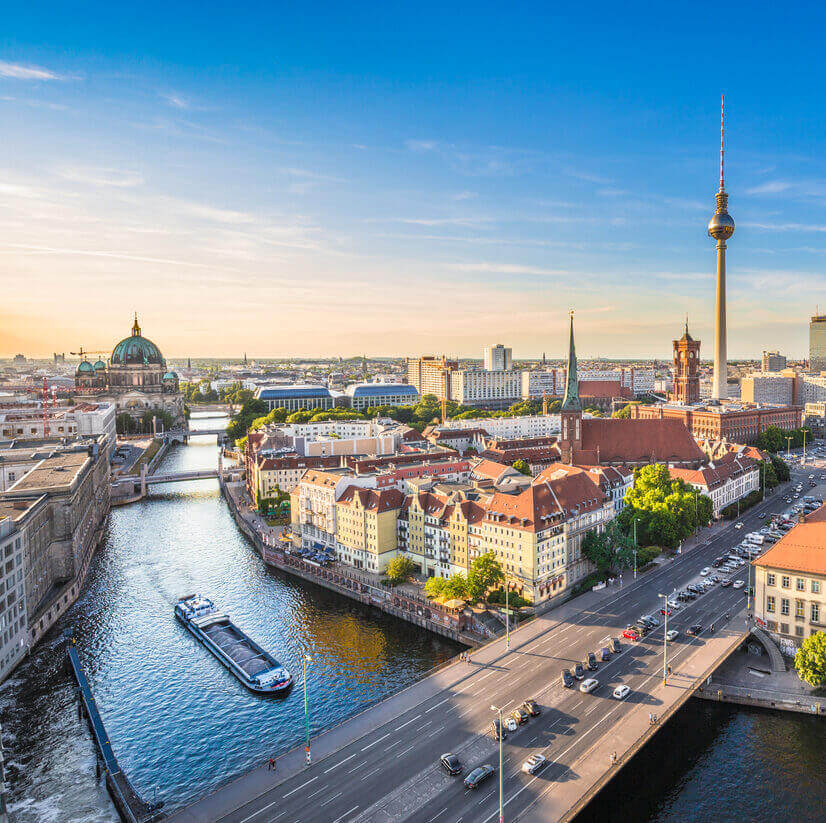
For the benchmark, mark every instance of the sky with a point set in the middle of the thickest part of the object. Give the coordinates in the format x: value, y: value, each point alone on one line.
x: 397, y: 179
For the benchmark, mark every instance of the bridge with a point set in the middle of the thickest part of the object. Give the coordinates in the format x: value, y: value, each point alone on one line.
x: 169, y: 477
x: 381, y: 765
x: 183, y: 435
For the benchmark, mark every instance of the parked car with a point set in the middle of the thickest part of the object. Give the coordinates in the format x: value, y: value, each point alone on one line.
x: 531, y: 707
x: 567, y: 679
x: 498, y: 730
x: 616, y: 645
x: 478, y: 776
x: 738, y: 584
x: 672, y: 634
x: 631, y: 634
x: 604, y: 654
x: 621, y: 692
x: 579, y: 671
x: 510, y: 724
x: 665, y: 611
x: 534, y: 763
x: 591, y: 662
x: 726, y: 583
x: 520, y: 715
x: 589, y: 685
x: 450, y: 763
x: 705, y: 571
x: 694, y: 630
x: 738, y: 525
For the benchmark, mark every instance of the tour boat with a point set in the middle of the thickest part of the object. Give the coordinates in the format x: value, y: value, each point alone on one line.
x: 258, y: 670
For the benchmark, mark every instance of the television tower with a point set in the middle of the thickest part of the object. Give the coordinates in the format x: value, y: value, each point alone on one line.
x: 721, y: 228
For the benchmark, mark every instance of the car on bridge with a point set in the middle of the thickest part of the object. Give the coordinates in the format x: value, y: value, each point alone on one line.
x: 478, y: 776
x: 621, y: 692
x: 694, y: 630
x: 534, y: 763
x: 589, y: 685
x: 450, y: 763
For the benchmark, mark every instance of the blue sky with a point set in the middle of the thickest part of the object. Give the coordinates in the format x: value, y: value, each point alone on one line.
x: 333, y: 179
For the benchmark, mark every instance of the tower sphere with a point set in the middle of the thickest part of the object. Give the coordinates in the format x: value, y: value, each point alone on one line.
x: 721, y: 226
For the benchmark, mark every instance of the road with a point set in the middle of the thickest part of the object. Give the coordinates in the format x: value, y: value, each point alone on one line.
x: 392, y: 774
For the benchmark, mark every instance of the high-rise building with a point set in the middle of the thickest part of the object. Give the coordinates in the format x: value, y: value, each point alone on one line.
x: 817, y: 343
x: 772, y: 361
x: 721, y: 228
x: 686, y: 386
x: 498, y: 358
x: 431, y: 375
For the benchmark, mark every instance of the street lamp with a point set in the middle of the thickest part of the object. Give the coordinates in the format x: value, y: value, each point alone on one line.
x: 665, y: 638
x: 804, y: 446
x: 501, y: 735
x: 635, y: 547
x: 507, y: 617
x: 304, y: 661
x: 788, y: 446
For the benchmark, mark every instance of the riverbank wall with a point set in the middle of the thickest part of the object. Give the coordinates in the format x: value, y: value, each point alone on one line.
x: 351, y: 584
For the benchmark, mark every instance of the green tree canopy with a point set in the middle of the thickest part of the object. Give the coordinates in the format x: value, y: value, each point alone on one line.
x: 610, y: 550
x: 781, y: 469
x: 522, y: 466
x: 400, y: 568
x: 810, y: 660
x: 485, y: 573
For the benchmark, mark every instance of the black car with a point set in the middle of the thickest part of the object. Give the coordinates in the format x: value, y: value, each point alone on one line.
x: 616, y: 645
x: 579, y: 671
x: 694, y: 630
x: 520, y: 715
x: 450, y: 763
x: 478, y: 776
x: 717, y: 562
x: 497, y: 730
x: 567, y: 679
x: 531, y: 707
x: 591, y: 662
x: 604, y: 653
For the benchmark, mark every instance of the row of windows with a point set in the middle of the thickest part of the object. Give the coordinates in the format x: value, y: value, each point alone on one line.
x: 799, y: 608
x: 799, y: 583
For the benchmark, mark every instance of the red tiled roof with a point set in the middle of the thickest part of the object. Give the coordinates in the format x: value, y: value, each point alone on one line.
x: 717, y: 472
x: 803, y: 549
x: 603, y: 388
x: 372, y: 499
x: 612, y: 440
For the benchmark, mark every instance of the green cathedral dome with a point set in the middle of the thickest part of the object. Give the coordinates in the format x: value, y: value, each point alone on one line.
x: 136, y: 350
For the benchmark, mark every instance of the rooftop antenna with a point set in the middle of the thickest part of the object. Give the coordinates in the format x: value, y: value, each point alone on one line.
x: 722, y: 135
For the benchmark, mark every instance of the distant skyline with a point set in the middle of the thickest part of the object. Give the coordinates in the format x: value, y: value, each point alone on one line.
x: 370, y: 180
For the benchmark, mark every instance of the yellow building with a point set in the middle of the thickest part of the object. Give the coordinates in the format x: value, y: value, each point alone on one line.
x: 367, y: 527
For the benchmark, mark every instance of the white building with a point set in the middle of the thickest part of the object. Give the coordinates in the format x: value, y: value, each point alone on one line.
x: 513, y: 428
x: 13, y: 621
x: 366, y: 395
x: 493, y: 389
x: 725, y: 481
x: 498, y: 358
x: 551, y: 382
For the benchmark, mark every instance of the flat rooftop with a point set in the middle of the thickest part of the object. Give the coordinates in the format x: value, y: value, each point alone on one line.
x: 15, y: 509
x: 53, y: 473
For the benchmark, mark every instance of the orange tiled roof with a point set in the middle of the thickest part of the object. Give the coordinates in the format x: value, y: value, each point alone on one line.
x: 803, y: 549
x: 634, y: 441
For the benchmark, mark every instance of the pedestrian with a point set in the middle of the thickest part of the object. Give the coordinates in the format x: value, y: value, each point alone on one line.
x: 271, y: 765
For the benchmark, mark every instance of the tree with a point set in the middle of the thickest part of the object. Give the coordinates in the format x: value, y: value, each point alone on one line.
x: 610, y: 550
x: 522, y: 467
x: 456, y: 587
x: 810, y: 660
x: 435, y: 586
x: 399, y: 569
x: 125, y: 424
x: 484, y: 573
x: 781, y: 469
x: 624, y: 413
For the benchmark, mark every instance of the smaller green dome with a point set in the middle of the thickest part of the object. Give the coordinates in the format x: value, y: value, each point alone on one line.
x: 85, y: 367
x: 170, y: 375
x: 100, y: 366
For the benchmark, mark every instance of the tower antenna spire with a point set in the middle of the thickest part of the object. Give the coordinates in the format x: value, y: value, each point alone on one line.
x: 722, y: 139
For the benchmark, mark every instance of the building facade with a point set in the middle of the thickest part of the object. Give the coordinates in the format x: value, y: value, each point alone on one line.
x: 817, y: 343
x: 685, y: 388
x: 431, y: 375
x: 772, y: 361
x: 498, y: 358
x: 725, y: 481
x: 296, y: 397
x: 14, y: 632
x: 366, y: 395
x: 488, y: 389
x: 367, y: 527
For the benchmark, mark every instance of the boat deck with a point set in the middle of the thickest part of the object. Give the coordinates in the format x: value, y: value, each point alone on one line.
x: 237, y: 647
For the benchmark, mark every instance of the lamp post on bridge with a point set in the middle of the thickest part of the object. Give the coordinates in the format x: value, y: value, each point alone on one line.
x: 501, y: 735
x: 304, y: 661
x: 665, y: 638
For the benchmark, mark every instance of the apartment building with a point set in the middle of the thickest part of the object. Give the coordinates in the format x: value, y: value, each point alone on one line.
x: 367, y: 527
x: 498, y: 358
x: 431, y: 375
x: 513, y: 428
x: 14, y: 633
x: 725, y: 480
x: 790, y: 584
x: 490, y: 389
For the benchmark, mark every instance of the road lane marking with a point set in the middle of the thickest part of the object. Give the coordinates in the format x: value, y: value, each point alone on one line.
x: 370, y: 774
x: 301, y: 786
x: 437, y: 814
x: 339, y: 764
x: 370, y: 745
x: 262, y: 809
x: 339, y: 819
x: 412, y: 720
x: 331, y: 799
x: 437, y: 705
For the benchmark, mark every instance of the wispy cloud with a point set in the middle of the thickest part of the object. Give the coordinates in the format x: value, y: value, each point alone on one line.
x: 35, y: 104
x: 506, y: 268
x: 810, y: 227
x: 770, y: 187
x: 589, y: 177
x: 18, y: 71
x: 20, y: 247
x: 177, y: 101
x: 117, y: 178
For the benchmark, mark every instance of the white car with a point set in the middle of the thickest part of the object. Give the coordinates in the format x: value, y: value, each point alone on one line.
x: 738, y: 525
x: 705, y: 572
x: 675, y: 606
x: 671, y: 634
x: 738, y: 584
x: 588, y: 685
x: 534, y: 763
x: 621, y: 692
x: 510, y: 724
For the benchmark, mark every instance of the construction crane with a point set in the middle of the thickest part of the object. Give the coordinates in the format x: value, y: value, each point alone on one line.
x: 82, y: 353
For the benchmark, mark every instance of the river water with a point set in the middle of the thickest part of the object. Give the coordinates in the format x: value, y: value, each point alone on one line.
x: 179, y: 723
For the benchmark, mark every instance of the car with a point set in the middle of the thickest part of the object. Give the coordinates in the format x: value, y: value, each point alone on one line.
x: 672, y: 634
x: 738, y: 584
x: 738, y: 525
x: 591, y: 662
x: 579, y: 671
x: 478, y: 776
x: 589, y: 685
x: 450, y: 763
x: 676, y: 605
x: 567, y: 679
x: 704, y: 572
x: 726, y: 583
x: 534, y: 763
x: 510, y: 724
x: 497, y: 731
x: 531, y: 707
x: 604, y: 654
x: 665, y: 611
x: 621, y: 692
x: 616, y: 645
x: 520, y: 715
x: 694, y: 630
x: 630, y: 634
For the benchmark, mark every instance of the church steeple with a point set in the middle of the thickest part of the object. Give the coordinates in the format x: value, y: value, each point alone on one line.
x: 571, y: 401
x: 136, y: 329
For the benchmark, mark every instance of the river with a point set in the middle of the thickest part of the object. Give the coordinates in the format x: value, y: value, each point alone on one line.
x: 180, y: 723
